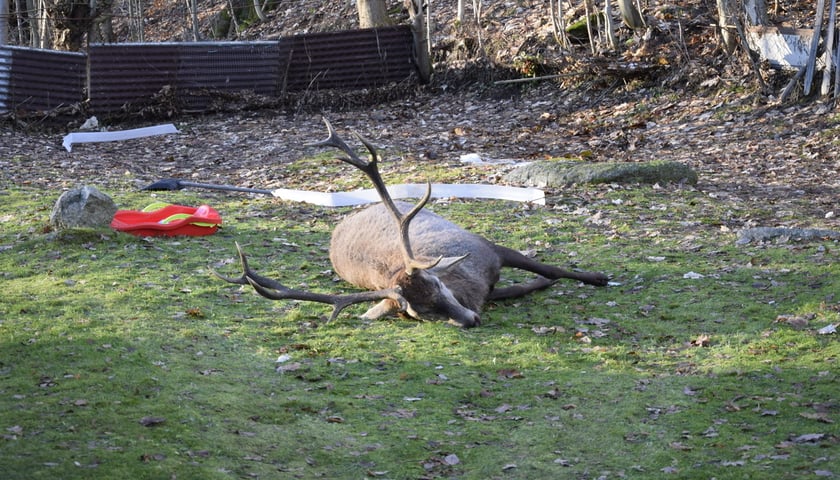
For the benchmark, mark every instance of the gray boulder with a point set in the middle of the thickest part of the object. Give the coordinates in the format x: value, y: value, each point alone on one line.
x: 84, y: 207
x: 785, y: 235
x: 558, y: 173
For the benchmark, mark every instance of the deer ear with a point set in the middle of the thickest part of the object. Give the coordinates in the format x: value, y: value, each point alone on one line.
x: 386, y: 308
x: 382, y: 309
x: 446, y: 263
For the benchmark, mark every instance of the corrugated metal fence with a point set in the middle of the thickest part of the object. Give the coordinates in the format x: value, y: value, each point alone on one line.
x: 346, y: 59
x: 121, y: 76
x: 40, y: 80
x: 131, y: 73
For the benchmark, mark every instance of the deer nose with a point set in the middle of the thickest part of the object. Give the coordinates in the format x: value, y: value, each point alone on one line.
x: 467, y: 321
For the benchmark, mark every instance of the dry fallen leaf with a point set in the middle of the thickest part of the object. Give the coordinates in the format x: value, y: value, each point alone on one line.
x: 795, y: 321
x: 158, y: 457
x: 818, y: 416
x: 547, y: 330
x: 151, y: 421
x: 510, y: 373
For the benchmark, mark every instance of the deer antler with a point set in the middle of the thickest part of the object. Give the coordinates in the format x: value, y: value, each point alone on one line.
x: 371, y: 169
x: 274, y: 290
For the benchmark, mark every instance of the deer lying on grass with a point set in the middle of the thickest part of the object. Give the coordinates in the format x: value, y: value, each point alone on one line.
x: 414, y: 261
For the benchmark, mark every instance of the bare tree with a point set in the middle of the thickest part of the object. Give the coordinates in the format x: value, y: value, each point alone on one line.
x: 420, y: 32
x: 609, y: 26
x: 135, y: 20
x: 70, y: 22
x: 39, y: 36
x: 259, y: 10
x: 192, y: 8
x: 558, y: 22
x: 20, y: 13
x: 62, y: 24
x: 101, y: 30
x: 631, y: 13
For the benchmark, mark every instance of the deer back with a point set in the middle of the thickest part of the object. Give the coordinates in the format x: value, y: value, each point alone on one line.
x: 365, y: 251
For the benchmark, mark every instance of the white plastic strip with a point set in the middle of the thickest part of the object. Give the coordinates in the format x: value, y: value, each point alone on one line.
x: 91, y: 137
x: 413, y: 190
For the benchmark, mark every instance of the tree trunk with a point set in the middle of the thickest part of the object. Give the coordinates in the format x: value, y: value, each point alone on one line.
x: 71, y: 21
x: 102, y: 29
x: 609, y: 27
x: 372, y: 14
x: 558, y: 22
x: 192, y: 7
x: 420, y: 33
x: 630, y: 15
x: 726, y: 21
x: 756, y: 12
x: 135, y: 20
x: 829, y: 48
x: 19, y: 13
x: 258, y: 10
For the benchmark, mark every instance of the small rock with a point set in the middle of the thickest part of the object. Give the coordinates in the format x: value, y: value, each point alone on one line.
x: 84, y: 207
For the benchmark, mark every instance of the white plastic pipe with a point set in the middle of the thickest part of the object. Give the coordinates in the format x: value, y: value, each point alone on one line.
x: 413, y: 190
x: 93, y: 137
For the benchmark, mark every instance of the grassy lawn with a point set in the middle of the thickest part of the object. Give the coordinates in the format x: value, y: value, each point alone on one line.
x: 123, y: 357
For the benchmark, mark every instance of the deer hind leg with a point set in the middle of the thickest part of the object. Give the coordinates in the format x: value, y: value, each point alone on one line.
x: 512, y: 258
x: 521, y: 289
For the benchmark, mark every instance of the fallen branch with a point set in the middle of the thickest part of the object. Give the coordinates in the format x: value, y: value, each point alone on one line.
x: 540, y: 78
x: 791, y: 84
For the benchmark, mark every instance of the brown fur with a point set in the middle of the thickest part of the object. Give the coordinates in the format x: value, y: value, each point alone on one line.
x: 365, y: 251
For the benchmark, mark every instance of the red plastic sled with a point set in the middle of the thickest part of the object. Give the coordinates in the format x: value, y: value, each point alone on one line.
x: 169, y: 221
